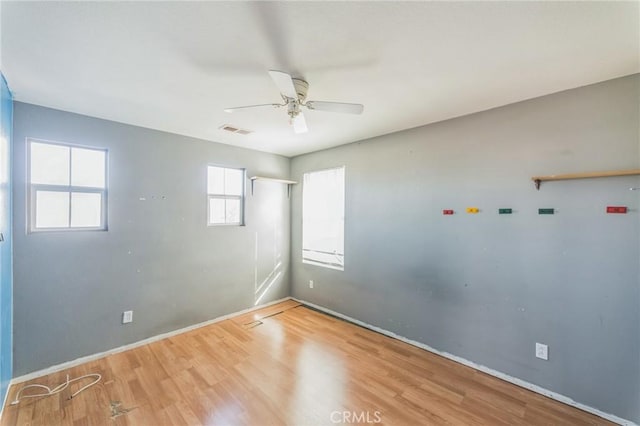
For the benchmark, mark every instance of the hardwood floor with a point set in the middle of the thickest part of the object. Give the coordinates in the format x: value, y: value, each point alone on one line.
x: 286, y: 364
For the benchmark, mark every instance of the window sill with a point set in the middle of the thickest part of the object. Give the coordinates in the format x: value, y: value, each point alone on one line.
x: 323, y: 265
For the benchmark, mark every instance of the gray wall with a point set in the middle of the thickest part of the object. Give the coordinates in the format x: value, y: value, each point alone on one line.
x: 158, y: 257
x: 487, y: 287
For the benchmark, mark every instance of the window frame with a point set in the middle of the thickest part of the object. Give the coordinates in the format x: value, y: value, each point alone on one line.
x: 241, y: 197
x: 344, y: 207
x: 33, y: 188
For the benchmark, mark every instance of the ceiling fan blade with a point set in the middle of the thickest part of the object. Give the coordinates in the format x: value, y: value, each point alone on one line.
x: 284, y: 83
x: 244, y: 108
x: 299, y: 124
x: 335, y: 107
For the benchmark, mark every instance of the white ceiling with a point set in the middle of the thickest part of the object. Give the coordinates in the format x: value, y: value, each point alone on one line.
x: 175, y: 66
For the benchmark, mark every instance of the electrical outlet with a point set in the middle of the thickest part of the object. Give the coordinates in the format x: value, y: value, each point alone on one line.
x: 127, y: 317
x: 542, y: 351
x: 310, y: 283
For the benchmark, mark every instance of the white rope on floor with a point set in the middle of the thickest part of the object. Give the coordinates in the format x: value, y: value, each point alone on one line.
x: 57, y: 389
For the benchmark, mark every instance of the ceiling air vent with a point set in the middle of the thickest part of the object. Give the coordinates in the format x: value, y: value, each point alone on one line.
x: 232, y: 129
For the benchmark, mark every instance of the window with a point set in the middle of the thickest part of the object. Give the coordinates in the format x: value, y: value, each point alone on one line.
x: 225, y: 189
x: 67, y: 187
x: 323, y: 218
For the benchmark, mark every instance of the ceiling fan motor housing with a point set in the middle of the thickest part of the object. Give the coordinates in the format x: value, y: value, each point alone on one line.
x: 301, y: 88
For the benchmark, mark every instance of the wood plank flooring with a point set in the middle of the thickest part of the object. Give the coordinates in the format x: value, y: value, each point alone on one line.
x: 286, y: 365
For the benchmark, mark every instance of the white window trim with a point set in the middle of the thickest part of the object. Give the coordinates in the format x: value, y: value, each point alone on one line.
x: 33, y: 188
x: 327, y: 265
x: 240, y: 197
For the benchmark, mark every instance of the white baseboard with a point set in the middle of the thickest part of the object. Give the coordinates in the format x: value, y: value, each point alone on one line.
x: 82, y: 360
x: 490, y: 371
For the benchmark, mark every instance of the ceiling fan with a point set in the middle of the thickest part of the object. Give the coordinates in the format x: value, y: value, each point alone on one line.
x: 294, y: 95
